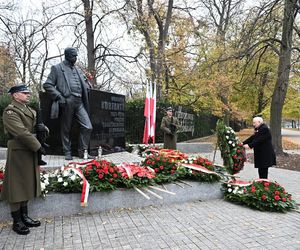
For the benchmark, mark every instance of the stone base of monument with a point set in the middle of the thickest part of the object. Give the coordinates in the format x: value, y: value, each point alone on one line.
x: 58, y: 204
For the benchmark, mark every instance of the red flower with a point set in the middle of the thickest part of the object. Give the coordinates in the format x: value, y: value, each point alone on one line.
x: 284, y: 199
x: 156, y: 169
x: 276, y: 192
x: 238, y: 151
x: 266, y: 184
x: 111, y: 180
x: 172, y: 171
x: 115, y: 175
x: 1, y: 175
x: 266, y: 188
x: 148, y: 162
x: 263, y: 197
x: 111, y: 170
x: 276, y: 197
x: 100, y: 176
x: 161, y: 167
x: 253, y: 189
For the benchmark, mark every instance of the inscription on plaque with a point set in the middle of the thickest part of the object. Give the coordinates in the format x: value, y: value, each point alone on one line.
x: 186, y: 121
x: 108, y: 119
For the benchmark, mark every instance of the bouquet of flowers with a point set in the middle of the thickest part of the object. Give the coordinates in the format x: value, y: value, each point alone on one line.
x: 61, y: 180
x: 260, y: 194
x: 44, y: 183
x: 102, y: 175
x: 232, y: 151
x: 135, y: 175
x: 198, y: 168
x: 164, y: 167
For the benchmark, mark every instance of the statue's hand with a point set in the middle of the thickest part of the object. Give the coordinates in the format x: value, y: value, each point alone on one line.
x: 61, y: 101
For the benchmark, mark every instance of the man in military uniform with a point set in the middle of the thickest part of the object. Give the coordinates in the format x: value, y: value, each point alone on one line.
x: 170, y: 126
x: 22, y: 174
x: 68, y: 89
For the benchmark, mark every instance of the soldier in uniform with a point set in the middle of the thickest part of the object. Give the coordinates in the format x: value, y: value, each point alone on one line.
x: 68, y: 89
x: 22, y: 174
x: 170, y: 126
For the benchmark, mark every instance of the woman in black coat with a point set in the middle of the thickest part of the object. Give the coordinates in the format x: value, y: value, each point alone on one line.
x: 261, y: 142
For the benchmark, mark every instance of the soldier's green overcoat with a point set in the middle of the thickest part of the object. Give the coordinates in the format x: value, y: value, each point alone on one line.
x: 22, y: 174
x: 170, y: 139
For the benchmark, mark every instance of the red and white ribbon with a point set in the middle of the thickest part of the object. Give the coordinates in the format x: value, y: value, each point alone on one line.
x: 198, y: 168
x: 85, y: 186
x: 239, y: 183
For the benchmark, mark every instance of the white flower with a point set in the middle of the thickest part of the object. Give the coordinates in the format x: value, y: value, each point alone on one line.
x: 73, y: 177
x: 65, y: 184
x: 46, y: 176
x: 43, y: 186
x: 66, y: 173
x: 55, y: 172
x: 235, y: 190
x: 227, y: 137
x: 81, y: 182
x: 228, y: 131
x: 229, y: 190
x: 62, y: 168
x: 230, y: 142
x: 46, y: 182
x: 228, y: 185
x: 241, y: 192
x: 60, y: 179
x: 233, y: 144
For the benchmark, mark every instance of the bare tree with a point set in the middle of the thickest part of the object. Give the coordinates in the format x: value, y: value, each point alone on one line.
x: 153, y: 20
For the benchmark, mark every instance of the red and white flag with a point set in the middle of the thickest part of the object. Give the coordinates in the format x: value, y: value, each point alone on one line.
x: 153, y: 114
x: 150, y: 113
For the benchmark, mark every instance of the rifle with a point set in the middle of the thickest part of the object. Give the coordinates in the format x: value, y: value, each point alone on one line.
x: 172, y: 126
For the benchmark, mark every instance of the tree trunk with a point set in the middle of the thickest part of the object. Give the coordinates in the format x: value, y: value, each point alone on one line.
x: 88, y: 18
x: 282, y: 82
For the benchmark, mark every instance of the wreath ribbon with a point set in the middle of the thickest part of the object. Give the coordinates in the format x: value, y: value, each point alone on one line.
x: 86, y: 185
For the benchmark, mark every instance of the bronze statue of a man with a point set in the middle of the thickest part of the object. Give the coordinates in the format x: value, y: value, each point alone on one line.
x: 69, y: 90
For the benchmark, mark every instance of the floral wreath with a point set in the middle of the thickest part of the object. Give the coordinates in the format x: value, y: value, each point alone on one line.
x: 232, y: 151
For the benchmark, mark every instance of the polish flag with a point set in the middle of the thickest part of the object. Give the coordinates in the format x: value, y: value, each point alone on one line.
x: 150, y: 114
x: 147, y: 115
x: 153, y: 114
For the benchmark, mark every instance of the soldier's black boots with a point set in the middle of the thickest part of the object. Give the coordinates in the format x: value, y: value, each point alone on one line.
x: 18, y: 226
x: 27, y: 220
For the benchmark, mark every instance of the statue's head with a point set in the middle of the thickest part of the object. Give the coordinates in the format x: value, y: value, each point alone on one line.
x: 71, y: 55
